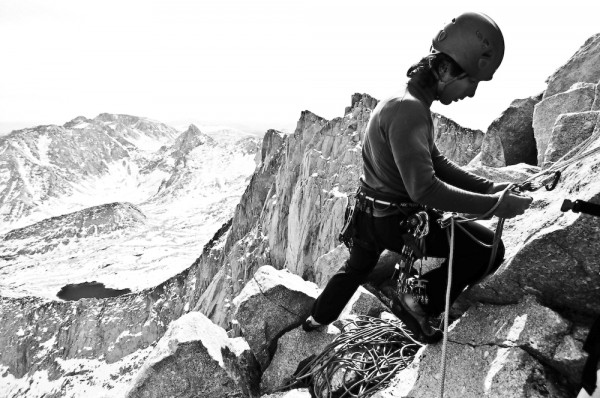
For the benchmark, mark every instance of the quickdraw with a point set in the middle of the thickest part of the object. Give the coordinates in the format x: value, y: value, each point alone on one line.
x: 549, y: 181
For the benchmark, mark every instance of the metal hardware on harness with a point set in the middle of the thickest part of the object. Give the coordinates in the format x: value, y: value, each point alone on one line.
x: 446, y: 219
x: 410, y: 280
x: 347, y: 231
x: 418, y: 288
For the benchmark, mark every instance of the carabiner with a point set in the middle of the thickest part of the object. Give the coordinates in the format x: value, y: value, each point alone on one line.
x: 552, y: 184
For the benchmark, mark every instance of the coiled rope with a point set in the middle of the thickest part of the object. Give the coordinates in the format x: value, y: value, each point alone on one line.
x: 360, y: 361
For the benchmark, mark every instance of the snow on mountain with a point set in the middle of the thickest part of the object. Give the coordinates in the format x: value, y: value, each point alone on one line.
x: 40, y: 164
x: 56, y: 184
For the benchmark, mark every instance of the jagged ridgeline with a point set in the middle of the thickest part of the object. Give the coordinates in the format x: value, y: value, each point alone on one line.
x: 227, y: 325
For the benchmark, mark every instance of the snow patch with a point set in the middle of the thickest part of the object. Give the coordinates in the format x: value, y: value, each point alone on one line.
x: 516, y: 329
x: 495, y: 367
x: 43, y: 146
x: 193, y: 326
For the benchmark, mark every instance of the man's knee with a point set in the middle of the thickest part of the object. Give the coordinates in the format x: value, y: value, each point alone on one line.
x: 356, y: 269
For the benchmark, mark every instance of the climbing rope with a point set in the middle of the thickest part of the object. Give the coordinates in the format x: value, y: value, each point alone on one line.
x: 360, y: 361
x: 447, y: 307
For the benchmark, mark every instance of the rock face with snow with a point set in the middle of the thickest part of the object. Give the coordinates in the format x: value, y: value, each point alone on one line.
x: 183, y: 187
x: 509, y: 139
x: 44, y: 162
x: 188, y: 361
x: 89, y: 347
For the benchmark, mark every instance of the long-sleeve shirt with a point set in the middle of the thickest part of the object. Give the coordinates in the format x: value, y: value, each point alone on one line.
x: 401, y: 159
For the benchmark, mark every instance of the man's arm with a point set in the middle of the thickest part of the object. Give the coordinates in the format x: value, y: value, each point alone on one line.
x: 453, y: 174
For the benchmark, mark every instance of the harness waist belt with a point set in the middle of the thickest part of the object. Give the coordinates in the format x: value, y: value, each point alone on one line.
x: 375, y: 197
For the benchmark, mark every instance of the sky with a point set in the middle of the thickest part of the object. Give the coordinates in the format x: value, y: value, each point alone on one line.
x: 256, y: 65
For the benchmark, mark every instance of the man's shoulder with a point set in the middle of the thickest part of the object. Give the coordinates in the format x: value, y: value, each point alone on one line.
x: 403, y: 105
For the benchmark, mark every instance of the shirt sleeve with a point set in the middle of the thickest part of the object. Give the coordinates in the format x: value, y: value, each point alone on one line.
x: 450, y: 172
x: 408, y: 128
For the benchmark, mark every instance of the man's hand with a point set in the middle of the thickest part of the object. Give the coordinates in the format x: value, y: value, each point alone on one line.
x: 512, y: 205
x: 498, y: 187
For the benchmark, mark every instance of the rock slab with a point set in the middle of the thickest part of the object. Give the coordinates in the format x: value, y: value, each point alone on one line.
x: 579, y: 98
x: 583, y: 66
x: 492, y: 352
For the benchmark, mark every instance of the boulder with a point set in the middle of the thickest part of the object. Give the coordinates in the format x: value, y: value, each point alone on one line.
x: 188, y: 361
x: 583, y: 66
x: 509, y: 139
x: 457, y: 143
x: 553, y: 254
x: 242, y: 366
x: 493, y: 371
x: 272, y: 303
x: 492, y: 352
x: 528, y: 325
x: 569, y: 359
x: 569, y: 130
x: 293, y: 349
x: 363, y: 302
x: 579, y: 98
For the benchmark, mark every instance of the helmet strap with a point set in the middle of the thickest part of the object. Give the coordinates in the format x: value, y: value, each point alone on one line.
x: 441, y: 85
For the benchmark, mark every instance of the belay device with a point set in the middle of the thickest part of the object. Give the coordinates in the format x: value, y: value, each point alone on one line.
x: 409, y: 279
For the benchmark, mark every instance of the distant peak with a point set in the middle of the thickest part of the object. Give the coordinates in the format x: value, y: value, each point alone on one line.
x: 192, y: 138
x: 192, y: 129
x: 121, y: 118
x: 76, y: 121
x: 363, y: 99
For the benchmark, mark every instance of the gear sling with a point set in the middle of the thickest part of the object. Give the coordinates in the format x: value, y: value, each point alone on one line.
x: 415, y: 227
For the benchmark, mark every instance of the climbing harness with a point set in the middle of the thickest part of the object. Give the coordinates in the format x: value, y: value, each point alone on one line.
x: 359, y: 361
x: 364, y: 200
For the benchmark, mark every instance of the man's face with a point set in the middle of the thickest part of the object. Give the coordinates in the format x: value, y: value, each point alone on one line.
x: 458, y: 88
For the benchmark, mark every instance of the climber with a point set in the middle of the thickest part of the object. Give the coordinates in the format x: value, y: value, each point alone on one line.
x: 404, y: 171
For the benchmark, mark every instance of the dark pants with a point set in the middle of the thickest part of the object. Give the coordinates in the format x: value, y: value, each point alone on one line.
x: 374, y: 234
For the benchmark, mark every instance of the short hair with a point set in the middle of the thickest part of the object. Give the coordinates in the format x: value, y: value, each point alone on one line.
x: 431, y: 62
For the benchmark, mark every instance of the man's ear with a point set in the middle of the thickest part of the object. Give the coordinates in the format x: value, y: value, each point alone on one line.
x: 444, y: 70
